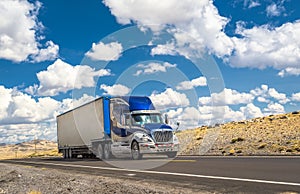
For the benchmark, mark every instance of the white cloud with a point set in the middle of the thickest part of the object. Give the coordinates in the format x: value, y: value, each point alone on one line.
x: 106, y: 52
x: 264, y: 46
x: 289, y: 71
x: 250, y: 3
x: 62, y: 77
x: 262, y: 99
x: 227, y: 97
x: 274, y: 10
x: 19, y: 33
x: 169, y: 98
x: 296, y: 97
x: 48, y: 53
x: 218, y: 114
x: 115, y: 90
x: 153, y: 67
x: 22, y: 117
x: 198, y: 27
x: 5, y: 99
x: 274, y: 108
x: 187, y: 85
x: 190, y: 20
x: 281, y: 97
x: 251, y: 111
x: 17, y: 107
x: 264, y: 93
x: 164, y: 49
x: 16, y: 133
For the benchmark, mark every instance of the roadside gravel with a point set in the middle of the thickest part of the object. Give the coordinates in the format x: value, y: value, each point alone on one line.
x: 33, y: 180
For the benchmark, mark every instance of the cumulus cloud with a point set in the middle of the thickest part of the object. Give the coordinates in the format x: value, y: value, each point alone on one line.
x: 19, y: 33
x: 153, y: 67
x: 197, y: 26
x: 264, y: 94
x: 264, y: 46
x: 251, y: 111
x: 289, y: 71
x: 191, y: 20
x: 227, y: 97
x: 48, y: 53
x: 115, y: 90
x: 169, y: 98
x: 296, y: 97
x: 17, y: 107
x: 274, y: 108
x: 190, y: 117
x: 22, y: 117
x: 187, y: 85
x: 16, y: 133
x: 274, y: 10
x: 62, y: 77
x: 106, y: 52
x: 164, y: 49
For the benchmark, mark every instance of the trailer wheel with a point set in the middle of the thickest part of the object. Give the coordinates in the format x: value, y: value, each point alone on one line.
x: 106, y: 151
x: 64, y: 153
x: 100, y: 152
x: 70, y: 153
x: 135, y: 151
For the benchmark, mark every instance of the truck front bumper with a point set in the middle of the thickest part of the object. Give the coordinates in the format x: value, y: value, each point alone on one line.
x: 146, y: 148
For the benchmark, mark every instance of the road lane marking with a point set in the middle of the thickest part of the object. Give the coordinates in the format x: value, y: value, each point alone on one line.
x: 167, y: 173
x: 183, y: 161
x: 168, y: 160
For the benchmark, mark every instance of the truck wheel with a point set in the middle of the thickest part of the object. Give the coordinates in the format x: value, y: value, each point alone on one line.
x: 106, y: 151
x: 70, y: 153
x: 171, y: 154
x: 135, y: 151
x: 100, y: 152
x: 64, y: 151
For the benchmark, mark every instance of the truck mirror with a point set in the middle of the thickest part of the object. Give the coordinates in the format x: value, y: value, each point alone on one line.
x: 166, y: 119
x: 177, y: 123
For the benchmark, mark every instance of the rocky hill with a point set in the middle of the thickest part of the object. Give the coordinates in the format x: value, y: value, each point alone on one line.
x: 270, y: 135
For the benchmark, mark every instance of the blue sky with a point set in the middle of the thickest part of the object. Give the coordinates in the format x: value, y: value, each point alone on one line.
x: 201, y: 62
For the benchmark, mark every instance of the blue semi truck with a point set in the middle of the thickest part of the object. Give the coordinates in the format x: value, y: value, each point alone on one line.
x: 106, y: 127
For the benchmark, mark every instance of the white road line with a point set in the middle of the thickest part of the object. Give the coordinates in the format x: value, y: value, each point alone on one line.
x: 167, y: 173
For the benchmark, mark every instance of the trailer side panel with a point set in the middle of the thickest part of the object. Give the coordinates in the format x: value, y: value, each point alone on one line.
x: 78, y: 127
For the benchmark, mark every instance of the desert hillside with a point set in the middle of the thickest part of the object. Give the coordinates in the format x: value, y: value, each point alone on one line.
x: 270, y: 135
x: 33, y: 148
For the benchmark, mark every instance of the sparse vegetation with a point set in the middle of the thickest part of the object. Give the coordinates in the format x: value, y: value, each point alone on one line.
x: 262, y: 146
x: 42, y: 148
x: 237, y: 140
x: 270, y: 135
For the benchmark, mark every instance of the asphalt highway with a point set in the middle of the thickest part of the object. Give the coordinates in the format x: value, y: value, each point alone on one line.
x: 216, y: 174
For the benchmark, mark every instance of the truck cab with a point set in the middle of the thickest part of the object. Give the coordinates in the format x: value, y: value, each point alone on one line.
x: 138, y: 129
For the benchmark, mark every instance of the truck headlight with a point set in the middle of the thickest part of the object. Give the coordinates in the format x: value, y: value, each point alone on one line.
x: 145, y: 139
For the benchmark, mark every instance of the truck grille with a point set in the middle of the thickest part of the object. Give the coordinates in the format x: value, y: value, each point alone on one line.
x: 163, y: 136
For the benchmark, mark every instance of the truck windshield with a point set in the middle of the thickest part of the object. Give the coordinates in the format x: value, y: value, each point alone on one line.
x: 140, y: 119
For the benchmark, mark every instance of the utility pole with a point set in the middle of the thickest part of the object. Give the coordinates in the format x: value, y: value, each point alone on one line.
x: 35, y: 142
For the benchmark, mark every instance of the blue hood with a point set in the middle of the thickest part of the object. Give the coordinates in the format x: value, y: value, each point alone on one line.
x: 152, y: 126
